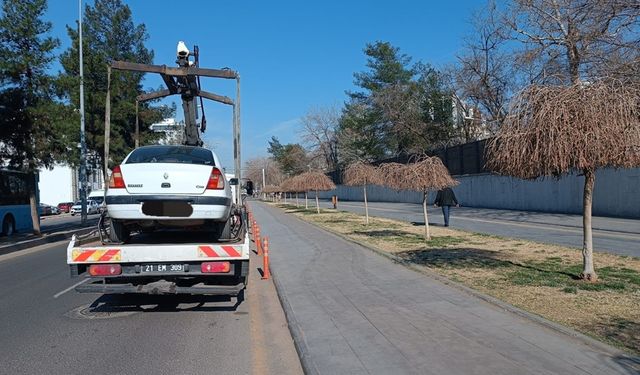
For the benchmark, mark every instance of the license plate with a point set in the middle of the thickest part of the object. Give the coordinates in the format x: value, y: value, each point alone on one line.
x: 162, y: 268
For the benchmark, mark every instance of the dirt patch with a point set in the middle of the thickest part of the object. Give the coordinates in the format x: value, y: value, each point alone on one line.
x: 540, y: 278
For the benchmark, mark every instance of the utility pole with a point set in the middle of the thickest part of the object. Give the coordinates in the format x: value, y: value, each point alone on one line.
x: 83, y: 144
x: 263, y: 179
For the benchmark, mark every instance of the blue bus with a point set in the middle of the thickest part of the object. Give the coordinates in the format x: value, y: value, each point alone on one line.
x: 15, y: 212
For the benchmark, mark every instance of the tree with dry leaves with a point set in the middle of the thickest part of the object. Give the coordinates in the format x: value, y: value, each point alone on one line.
x: 582, y: 112
x: 555, y: 130
x: 362, y: 174
x: 315, y: 181
x: 425, y: 174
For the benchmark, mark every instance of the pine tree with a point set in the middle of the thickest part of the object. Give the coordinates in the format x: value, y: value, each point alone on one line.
x: 109, y: 33
x: 34, y: 128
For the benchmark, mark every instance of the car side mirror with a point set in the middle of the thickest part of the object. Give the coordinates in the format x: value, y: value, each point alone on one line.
x: 233, y: 181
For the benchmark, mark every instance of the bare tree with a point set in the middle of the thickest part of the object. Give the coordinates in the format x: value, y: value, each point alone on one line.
x: 485, y: 73
x: 425, y: 174
x: 565, y: 41
x: 273, y: 174
x: 319, y: 133
x: 554, y: 130
x: 362, y: 174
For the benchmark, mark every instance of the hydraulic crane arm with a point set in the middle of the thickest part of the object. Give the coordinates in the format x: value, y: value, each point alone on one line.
x: 184, y: 81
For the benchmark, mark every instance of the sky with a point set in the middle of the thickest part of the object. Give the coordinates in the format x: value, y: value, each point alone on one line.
x: 292, y: 56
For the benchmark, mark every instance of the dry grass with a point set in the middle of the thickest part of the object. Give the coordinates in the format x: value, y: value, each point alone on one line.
x: 540, y: 278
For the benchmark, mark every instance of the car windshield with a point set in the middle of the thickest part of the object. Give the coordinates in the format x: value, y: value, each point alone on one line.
x: 171, y: 154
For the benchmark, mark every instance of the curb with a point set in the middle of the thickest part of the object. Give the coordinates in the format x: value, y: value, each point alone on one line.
x: 589, y: 341
x: 48, y: 238
x: 294, y: 329
x: 296, y: 332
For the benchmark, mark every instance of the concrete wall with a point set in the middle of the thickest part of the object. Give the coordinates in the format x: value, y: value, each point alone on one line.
x: 616, y: 193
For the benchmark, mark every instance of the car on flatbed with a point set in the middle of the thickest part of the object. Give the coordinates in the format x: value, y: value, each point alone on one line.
x: 168, y: 186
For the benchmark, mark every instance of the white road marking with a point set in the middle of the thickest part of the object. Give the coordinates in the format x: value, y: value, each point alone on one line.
x: 71, y: 287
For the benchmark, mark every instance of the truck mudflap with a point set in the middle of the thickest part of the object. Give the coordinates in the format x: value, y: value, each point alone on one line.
x: 159, y: 287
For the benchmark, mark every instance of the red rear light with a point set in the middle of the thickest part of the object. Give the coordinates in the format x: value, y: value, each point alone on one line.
x: 216, y: 180
x: 116, y: 181
x: 105, y: 269
x: 215, y: 267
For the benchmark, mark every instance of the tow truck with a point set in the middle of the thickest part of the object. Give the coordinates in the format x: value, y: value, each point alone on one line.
x: 170, y: 262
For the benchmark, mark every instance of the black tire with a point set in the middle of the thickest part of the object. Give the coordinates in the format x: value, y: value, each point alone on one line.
x: 8, y: 226
x: 222, y: 231
x: 118, y: 232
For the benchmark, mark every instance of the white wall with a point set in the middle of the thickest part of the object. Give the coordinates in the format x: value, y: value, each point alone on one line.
x: 616, y: 193
x: 55, y: 185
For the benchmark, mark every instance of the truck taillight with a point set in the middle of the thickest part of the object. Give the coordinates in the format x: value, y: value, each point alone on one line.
x: 215, y: 267
x: 216, y: 180
x: 105, y: 269
x: 116, y: 181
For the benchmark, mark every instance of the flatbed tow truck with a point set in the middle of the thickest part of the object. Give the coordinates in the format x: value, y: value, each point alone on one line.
x: 179, y: 262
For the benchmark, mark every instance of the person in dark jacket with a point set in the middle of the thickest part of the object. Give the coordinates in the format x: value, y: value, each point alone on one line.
x: 445, y: 199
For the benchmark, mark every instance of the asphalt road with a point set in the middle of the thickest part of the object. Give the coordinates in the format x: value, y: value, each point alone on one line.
x: 356, y: 312
x: 53, y: 223
x: 613, y: 235
x: 47, y: 328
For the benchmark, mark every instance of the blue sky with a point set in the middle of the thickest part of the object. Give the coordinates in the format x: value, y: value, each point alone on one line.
x: 291, y: 55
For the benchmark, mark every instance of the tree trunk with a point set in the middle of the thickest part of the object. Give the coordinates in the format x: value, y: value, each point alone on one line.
x: 588, y: 272
x: 317, y: 203
x: 306, y: 201
x: 366, y: 205
x: 297, y: 205
x: 427, y: 235
x: 35, y: 216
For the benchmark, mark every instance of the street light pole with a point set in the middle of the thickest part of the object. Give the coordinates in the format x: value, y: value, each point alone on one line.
x: 263, y: 180
x: 83, y: 144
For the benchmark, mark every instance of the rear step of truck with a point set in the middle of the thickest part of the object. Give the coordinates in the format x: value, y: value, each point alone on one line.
x: 159, y: 287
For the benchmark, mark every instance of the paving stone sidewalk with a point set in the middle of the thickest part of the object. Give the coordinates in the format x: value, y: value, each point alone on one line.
x: 355, y: 312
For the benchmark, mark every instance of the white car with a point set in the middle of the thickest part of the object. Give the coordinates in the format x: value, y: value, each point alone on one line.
x: 92, y: 208
x: 168, y: 186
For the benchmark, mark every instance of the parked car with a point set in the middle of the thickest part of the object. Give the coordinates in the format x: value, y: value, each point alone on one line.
x: 44, y: 209
x: 65, y: 207
x: 98, y: 196
x: 92, y: 208
x: 168, y: 186
x: 55, y: 210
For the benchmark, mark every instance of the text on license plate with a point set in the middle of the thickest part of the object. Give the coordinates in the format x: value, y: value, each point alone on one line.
x: 162, y: 268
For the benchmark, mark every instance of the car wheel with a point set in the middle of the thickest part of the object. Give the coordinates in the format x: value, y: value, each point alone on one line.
x: 222, y: 231
x: 119, y: 233
x: 8, y: 226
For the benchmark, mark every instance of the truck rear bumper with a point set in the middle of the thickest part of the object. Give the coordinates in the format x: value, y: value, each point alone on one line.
x: 159, y: 287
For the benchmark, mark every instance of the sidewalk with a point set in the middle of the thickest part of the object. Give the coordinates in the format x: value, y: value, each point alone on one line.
x: 354, y: 312
x: 50, y: 233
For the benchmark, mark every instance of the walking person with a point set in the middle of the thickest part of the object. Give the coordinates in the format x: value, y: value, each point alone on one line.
x: 445, y: 199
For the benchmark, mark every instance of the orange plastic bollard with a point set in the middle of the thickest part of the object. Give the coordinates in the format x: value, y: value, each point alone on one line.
x: 258, y: 241
x: 265, y: 264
